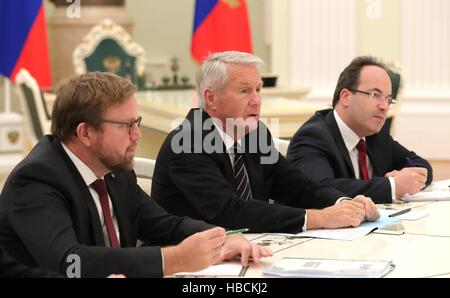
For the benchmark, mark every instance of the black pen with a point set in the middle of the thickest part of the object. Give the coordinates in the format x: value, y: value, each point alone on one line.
x: 400, y: 212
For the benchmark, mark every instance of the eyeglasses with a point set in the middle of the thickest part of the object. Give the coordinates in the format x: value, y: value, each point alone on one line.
x: 132, y: 124
x: 376, y: 96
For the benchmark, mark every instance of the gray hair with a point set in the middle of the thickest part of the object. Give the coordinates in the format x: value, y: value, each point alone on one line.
x: 213, y: 73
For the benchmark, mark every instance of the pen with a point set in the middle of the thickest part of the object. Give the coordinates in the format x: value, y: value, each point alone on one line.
x: 410, y: 162
x: 236, y: 231
x: 400, y: 212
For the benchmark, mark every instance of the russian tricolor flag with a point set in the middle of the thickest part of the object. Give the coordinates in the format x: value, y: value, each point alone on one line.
x: 220, y: 25
x: 23, y: 38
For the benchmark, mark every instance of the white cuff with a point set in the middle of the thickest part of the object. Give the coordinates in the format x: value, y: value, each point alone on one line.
x: 341, y: 199
x: 306, y: 220
x: 392, y: 182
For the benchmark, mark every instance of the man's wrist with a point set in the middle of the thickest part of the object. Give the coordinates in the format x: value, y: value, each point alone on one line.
x: 315, y: 219
x: 170, y: 260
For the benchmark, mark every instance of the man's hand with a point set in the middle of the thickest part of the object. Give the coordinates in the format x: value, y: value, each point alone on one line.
x: 194, y: 253
x: 236, y: 245
x: 347, y: 213
x: 408, y: 180
x: 371, y: 210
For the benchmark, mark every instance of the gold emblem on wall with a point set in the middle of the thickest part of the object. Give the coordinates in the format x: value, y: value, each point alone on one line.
x: 231, y: 3
x: 112, y: 63
x: 13, y: 136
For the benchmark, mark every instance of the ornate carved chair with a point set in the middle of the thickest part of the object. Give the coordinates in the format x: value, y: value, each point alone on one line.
x: 143, y: 167
x: 394, y: 72
x: 108, y: 47
x: 281, y: 145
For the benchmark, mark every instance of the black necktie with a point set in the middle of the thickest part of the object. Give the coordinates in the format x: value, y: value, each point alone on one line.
x: 241, y: 181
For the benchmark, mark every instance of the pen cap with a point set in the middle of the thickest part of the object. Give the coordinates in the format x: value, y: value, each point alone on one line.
x: 410, y: 162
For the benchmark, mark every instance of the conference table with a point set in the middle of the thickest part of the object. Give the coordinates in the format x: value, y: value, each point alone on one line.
x: 421, y: 251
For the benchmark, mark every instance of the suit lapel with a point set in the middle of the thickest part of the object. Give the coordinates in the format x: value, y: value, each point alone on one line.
x: 252, y: 160
x: 81, y: 193
x: 227, y: 167
x: 116, y: 193
x: 96, y: 226
x: 254, y: 173
x: 372, y: 154
x: 222, y: 158
x: 331, y: 122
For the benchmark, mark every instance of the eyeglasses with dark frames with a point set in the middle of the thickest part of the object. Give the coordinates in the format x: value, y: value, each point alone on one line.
x: 376, y: 96
x: 132, y: 124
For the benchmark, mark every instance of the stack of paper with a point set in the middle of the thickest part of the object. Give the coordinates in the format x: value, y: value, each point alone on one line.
x: 438, y: 191
x: 434, y: 195
x: 305, y: 267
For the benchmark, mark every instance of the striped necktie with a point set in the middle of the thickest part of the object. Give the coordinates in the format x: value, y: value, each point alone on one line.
x: 241, y: 181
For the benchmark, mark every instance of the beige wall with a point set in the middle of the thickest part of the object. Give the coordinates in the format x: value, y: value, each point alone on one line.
x: 379, y: 35
x: 164, y: 28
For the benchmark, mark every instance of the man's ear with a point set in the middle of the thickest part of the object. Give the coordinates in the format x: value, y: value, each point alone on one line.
x: 345, y: 97
x: 84, y: 133
x: 210, y: 100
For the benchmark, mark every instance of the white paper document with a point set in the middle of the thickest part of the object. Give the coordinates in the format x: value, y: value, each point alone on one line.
x: 338, y: 234
x: 278, y: 242
x: 433, y: 195
x: 224, y: 269
x: 436, y: 191
x: 306, y: 267
x: 414, y: 215
x: 348, y: 233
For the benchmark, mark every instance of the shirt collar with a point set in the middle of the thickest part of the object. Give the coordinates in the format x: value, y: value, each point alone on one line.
x: 351, y: 139
x: 227, y: 140
x: 86, y: 173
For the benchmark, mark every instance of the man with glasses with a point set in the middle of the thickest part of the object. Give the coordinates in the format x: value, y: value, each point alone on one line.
x: 73, y: 204
x: 347, y: 146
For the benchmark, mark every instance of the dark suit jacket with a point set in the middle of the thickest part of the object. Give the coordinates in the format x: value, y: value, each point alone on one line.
x: 47, y: 213
x: 318, y: 149
x: 10, y: 268
x: 200, y: 185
